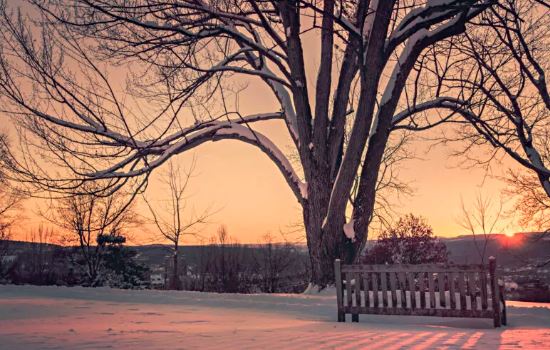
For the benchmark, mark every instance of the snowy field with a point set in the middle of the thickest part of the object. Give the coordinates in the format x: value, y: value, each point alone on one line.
x: 81, y: 318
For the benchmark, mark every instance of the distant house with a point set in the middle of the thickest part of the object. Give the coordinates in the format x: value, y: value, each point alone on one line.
x: 511, y: 286
x: 157, y: 280
x: 8, y: 259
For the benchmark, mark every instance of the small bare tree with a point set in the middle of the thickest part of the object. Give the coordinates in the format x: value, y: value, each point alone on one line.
x: 482, y: 219
x: 226, y: 266
x: 90, y: 222
x: 274, y: 259
x: 40, y: 255
x: 173, y: 219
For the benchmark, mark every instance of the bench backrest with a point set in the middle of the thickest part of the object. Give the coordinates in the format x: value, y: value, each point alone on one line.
x: 423, y: 290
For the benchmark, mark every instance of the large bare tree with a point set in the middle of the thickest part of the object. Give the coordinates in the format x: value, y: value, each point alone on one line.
x: 186, y: 57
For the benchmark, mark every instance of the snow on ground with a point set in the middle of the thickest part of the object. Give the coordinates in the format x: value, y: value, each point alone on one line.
x: 84, y: 318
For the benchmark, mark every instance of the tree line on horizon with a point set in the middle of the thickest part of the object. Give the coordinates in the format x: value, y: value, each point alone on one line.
x: 221, y: 264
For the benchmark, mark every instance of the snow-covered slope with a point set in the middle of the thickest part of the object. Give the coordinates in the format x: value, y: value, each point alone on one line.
x: 83, y: 318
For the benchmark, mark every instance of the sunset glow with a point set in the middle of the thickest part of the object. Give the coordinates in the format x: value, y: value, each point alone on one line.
x: 287, y: 174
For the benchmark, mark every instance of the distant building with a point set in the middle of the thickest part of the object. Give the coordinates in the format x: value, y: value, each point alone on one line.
x: 157, y: 280
x: 8, y: 259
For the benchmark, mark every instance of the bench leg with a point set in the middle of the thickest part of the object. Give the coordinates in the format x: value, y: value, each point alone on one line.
x: 503, y: 320
x: 355, y: 318
x: 341, y: 316
x: 497, y: 319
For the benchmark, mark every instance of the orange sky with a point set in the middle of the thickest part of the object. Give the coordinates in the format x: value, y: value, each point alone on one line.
x: 253, y: 198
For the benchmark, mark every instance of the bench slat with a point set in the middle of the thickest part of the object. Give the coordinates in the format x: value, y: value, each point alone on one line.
x: 412, y: 289
x: 393, y: 289
x: 441, y: 289
x: 452, y: 289
x: 348, y: 289
x: 484, y: 294
x: 462, y: 290
x: 422, y: 288
x: 357, y: 278
x: 402, y: 281
x: 472, y: 290
x: 384, y: 282
x: 432, y: 290
x: 366, y: 288
x: 375, y: 289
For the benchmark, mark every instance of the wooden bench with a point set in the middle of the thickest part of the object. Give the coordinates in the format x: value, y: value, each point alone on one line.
x: 420, y: 290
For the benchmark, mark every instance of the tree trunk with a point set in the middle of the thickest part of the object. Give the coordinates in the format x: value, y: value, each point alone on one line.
x: 175, y: 276
x: 324, y: 247
x: 327, y: 244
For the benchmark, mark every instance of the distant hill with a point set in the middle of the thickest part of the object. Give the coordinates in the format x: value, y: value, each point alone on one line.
x: 518, y: 250
x: 155, y: 255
